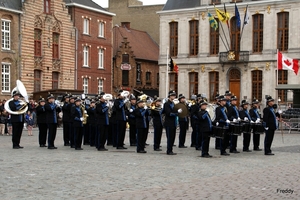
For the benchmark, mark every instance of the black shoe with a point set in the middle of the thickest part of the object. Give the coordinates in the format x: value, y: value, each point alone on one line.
x: 257, y: 149
x: 52, y: 147
x: 269, y: 154
x: 193, y: 145
x: 133, y: 145
x: 16, y: 147
x: 121, y: 148
x: 174, y: 145
x: 171, y: 153
x: 234, y: 151
x: 198, y: 149
x: 182, y: 146
x: 42, y: 145
x: 78, y: 148
x: 206, y: 156
x: 66, y: 145
x: 157, y: 149
x: 20, y: 147
x: 225, y: 154
x: 247, y: 150
x: 147, y: 144
x: 102, y: 149
x: 143, y: 151
x: 72, y: 146
x: 217, y: 147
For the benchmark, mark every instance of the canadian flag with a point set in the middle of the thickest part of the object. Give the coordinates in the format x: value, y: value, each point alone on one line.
x: 284, y: 62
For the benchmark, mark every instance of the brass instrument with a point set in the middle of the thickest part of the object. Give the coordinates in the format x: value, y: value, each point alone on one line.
x: 107, y: 97
x: 211, y: 109
x: 83, y: 111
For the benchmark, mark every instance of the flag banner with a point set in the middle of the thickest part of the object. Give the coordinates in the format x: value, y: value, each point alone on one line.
x: 237, y: 17
x: 287, y: 63
x: 212, y: 21
x: 223, y: 16
x: 247, y: 16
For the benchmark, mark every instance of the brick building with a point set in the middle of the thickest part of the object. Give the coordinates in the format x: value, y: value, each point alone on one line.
x: 93, y: 56
x: 48, y: 46
x: 135, y: 61
x: 10, y: 12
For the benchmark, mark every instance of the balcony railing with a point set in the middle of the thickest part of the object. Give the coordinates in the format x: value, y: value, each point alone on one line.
x: 237, y: 57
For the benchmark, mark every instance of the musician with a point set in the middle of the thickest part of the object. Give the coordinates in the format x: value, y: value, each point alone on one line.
x: 255, y: 117
x: 228, y: 99
x: 77, y: 119
x: 68, y: 109
x: 130, y: 112
x: 233, y: 115
x: 222, y: 121
x: 92, y: 122
x: 119, y: 106
x: 170, y: 121
x: 52, y: 109
x: 86, y: 133
x: 270, y: 123
x: 156, y: 114
x: 183, y: 123
x: 66, y: 120
x: 216, y: 104
x: 42, y: 122
x: 195, y: 122
x: 17, y: 121
x: 141, y: 114
x: 102, y: 122
x: 244, y: 115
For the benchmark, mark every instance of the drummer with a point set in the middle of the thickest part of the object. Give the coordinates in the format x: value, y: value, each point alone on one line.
x: 255, y: 117
x: 244, y: 115
x: 233, y: 115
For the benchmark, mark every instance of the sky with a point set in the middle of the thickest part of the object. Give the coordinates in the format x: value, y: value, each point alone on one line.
x: 104, y: 3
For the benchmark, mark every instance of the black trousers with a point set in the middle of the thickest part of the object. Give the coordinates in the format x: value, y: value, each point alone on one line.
x: 114, y: 134
x: 66, y: 132
x: 72, y: 137
x: 140, y: 139
x: 193, y: 135
x: 158, y: 128
x: 171, y: 134
x: 217, y: 143
x: 42, y: 133
x: 102, y: 131
x: 121, y: 129
x: 93, y: 132
x: 224, y: 142
x: 132, y: 133
x: 17, y: 128
x: 246, y: 141
x: 182, y: 133
x: 256, y: 140
x: 198, y: 137
x: 205, y: 143
x: 78, y: 133
x: 86, y: 134
x: 52, y: 127
x: 233, y: 142
x: 268, y: 140
x: 6, y: 130
x: 110, y: 134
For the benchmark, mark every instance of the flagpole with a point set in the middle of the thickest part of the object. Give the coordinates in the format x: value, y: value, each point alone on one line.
x: 244, y: 23
x: 167, y: 74
x: 224, y: 35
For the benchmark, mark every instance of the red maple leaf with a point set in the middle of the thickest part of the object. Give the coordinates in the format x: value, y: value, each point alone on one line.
x: 287, y: 62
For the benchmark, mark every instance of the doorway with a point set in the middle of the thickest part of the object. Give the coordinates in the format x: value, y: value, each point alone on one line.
x: 235, y: 83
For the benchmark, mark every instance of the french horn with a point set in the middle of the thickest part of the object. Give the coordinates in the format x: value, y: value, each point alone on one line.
x: 20, y: 88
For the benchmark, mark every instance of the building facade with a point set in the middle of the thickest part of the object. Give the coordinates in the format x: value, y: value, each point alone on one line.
x: 10, y: 13
x: 48, y: 46
x: 201, y: 52
x: 135, y: 61
x: 93, y: 56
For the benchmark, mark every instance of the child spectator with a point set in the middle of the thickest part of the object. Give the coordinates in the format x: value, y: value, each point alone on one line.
x: 30, y: 122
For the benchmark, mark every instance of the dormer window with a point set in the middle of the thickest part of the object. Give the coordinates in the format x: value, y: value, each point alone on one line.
x: 47, y: 6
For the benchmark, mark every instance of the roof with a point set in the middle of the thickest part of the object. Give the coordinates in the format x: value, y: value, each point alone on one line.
x: 11, y: 5
x: 181, y: 4
x: 141, y: 43
x: 288, y: 87
x: 88, y: 4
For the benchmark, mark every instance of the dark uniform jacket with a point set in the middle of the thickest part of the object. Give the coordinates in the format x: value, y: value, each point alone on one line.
x: 131, y: 115
x: 205, y: 123
x: 66, y: 112
x: 52, y: 111
x: 269, y: 118
x: 244, y: 113
x: 170, y: 114
x: 41, y: 114
x: 157, y: 117
x: 254, y: 114
x: 102, y: 113
x: 119, y: 107
x: 194, y: 113
x: 92, y: 119
x: 233, y: 113
x: 76, y: 114
x: 15, y: 106
x: 221, y: 115
x: 141, y: 115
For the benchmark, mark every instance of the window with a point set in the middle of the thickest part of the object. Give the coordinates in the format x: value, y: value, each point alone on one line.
x: 100, y: 86
x: 213, y: 84
x: 101, y: 58
x: 47, y: 6
x: 235, y: 37
x: 125, y: 77
x: 37, y: 80
x: 37, y: 42
x: 5, y: 77
x: 55, y: 78
x: 148, y: 78
x: 173, y: 39
x: 193, y: 83
x: 125, y: 58
x: 5, y: 34
x: 173, y: 81
x: 138, y: 74
x: 283, y: 31
x: 257, y: 84
x: 215, y: 1
x: 214, y: 40
x: 194, y: 37
x: 157, y: 80
x: 86, y: 26
x: 55, y: 46
x: 282, y: 79
x: 85, y: 56
x: 101, y: 29
x: 85, y: 85
x: 258, y: 33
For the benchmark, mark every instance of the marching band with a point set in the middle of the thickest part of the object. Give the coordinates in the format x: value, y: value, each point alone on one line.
x: 102, y: 121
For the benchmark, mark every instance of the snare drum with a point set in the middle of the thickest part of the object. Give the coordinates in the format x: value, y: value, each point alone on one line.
x: 218, y: 132
x: 258, y: 128
x: 246, y: 128
x: 235, y: 129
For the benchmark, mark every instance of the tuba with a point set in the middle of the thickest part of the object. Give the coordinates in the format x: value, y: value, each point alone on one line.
x: 107, y: 97
x: 125, y: 94
x: 20, y: 88
x: 211, y: 109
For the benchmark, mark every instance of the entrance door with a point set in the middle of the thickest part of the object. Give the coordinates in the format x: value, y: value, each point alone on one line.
x: 235, y: 83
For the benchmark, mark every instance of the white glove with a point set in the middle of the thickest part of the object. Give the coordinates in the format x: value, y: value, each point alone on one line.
x: 227, y: 121
x: 22, y: 103
x: 81, y: 118
x: 125, y: 101
x: 239, y: 119
x: 190, y: 104
x: 85, y: 111
x: 234, y: 120
x: 145, y: 107
x: 246, y: 119
x: 252, y: 121
x: 267, y: 128
x: 217, y: 123
x: 258, y: 120
x: 179, y: 110
x: 280, y: 111
x: 130, y: 110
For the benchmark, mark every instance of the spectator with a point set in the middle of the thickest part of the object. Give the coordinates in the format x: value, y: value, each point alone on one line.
x: 2, y: 122
x: 30, y: 122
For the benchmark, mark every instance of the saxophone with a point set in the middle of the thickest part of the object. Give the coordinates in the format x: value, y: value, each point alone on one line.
x: 84, y: 114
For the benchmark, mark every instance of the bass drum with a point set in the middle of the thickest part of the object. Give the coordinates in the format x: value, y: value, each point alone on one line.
x: 211, y: 109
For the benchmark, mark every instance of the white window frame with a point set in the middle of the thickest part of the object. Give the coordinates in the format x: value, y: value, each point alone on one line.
x: 86, y: 56
x: 100, y: 85
x: 101, y: 29
x: 5, y: 77
x: 5, y: 43
x: 85, y: 85
x: 86, y: 26
x: 101, y: 58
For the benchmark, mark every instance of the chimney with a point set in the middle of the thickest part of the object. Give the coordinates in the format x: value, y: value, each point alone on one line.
x: 126, y: 25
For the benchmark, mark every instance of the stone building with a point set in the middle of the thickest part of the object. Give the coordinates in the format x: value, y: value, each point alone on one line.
x: 135, y: 61
x: 10, y: 12
x: 202, y: 57
x: 48, y: 46
x: 140, y: 17
x: 93, y: 56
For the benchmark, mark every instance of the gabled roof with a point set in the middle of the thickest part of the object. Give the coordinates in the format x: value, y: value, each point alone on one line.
x: 13, y: 5
x: 181, y: 4
x: 141, y: 43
